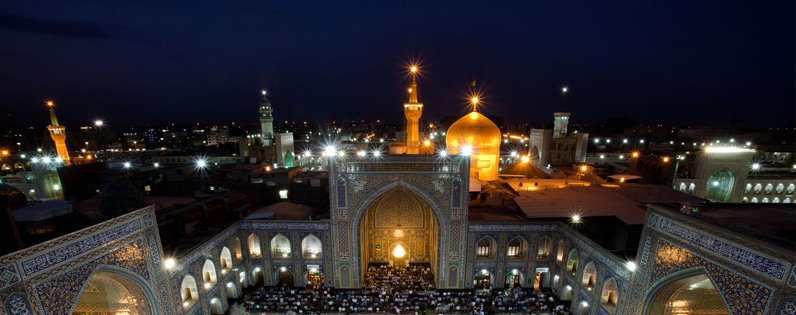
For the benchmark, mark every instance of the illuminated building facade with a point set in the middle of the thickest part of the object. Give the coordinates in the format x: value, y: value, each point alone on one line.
x: 739, y: 175
x: 476, y: 136
x: 409, y: 142
x: 403, y: 209
x: 58, y: 134
x: 399, y: 210
x: 556, y: 146
x: 266, y: 121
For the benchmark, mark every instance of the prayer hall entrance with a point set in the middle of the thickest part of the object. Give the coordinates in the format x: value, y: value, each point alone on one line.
x: 112, y: 293
x: 690, y: 295
x: 398, y: 230
x: 314, y: 279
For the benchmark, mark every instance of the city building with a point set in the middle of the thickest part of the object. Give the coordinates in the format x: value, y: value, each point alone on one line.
x: 599, y: 248
x: 738, y: 174
x: 557, y: 146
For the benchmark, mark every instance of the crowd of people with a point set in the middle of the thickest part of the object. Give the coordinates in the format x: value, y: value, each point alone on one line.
x: 408, y: 290
x: 386, y: 279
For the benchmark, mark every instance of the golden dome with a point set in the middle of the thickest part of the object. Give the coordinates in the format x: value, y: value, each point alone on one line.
x: 479, y: 134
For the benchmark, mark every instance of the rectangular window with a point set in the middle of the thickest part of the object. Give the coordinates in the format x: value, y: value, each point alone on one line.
x: 514, y: 251
x: 483, y: 251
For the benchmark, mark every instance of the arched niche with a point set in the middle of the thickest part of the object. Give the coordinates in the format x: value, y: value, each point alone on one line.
x: 254, y: 246
x: 311, y: 247
x: 691, y: 292
x: 225, y: 260
x: 544, y: 248
x: 280, y: 246
x: 115, y: 290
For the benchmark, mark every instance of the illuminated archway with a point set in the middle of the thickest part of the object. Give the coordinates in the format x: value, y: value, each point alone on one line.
x: 311, y: 247
x: 114, y: 291
x: 516, y: 248
x: 254, y: 246
x: 398, y: 218
x: 280, y: 246
x: 225, y: 260
x: 572, y: 262
x: 188, y: 292
x: 544, y: 249
x: 209, y: 273
x: 610, y: 295
x: 514, y: 279
x: 687, y: 293
x: 238, y: 250
x: 589, y: 276
x: 560, y: 254
x: 719, y: 186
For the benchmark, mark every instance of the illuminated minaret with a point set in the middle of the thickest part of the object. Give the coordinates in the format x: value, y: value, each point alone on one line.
x: 266, y: 121
x: 413, y: 110
x: 58, y: 134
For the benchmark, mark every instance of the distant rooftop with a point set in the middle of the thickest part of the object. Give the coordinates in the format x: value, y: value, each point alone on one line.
x: 43, y: 211
x: 626, y: 202
x: 285, y: 210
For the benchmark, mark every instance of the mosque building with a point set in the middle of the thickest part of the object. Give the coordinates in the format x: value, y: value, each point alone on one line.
x: 268, y: 147
x: 476, y: 136
x: 412, y: 208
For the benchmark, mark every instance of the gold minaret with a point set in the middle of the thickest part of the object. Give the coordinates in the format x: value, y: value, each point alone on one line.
x: 58, y: 134
x: 413, y: 110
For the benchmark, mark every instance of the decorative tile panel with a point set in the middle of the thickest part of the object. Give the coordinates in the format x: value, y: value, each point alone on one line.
x: 742, y: 294
x: 456, y: 193
x: 9, y: 276
x: 75, y: 249
x: 341, y: 193
x: 743, y: 256
x: 18, y: 304
x: 58, y: 293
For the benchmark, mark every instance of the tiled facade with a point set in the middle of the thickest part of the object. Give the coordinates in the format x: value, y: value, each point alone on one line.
x: 752, y: 277
x: 47, y: 278
x: 441, y: 184
x: 606, y: 265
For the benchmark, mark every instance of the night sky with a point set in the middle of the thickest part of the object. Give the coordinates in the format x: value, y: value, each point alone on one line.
x: 134, y: 62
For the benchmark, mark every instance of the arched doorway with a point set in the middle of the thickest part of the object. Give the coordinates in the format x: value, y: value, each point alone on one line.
x: 314, y: 279
x: 572, y: 262
x: 232, y: 291
x: 719, y: 186
x: 216, y: 307
x: 113, y: 292
x: 513, y: 280
x: 540, y: 279
x: 259, y: 279
x: 610, y: 296
x: 483, y: 280
x: 398, y: 229
x: 694, y: 294
x: 398, y: 255
x: 284, y: 277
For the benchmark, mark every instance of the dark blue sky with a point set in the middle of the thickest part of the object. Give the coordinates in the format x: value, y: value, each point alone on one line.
x: 668, y: 62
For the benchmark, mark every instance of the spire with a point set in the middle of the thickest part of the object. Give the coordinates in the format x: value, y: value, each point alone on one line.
x: 413, y: 87
x: 475, y: 103
x: 53, y: 119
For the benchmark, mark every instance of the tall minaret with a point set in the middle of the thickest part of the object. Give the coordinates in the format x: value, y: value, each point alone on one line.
x: 266, y: 121
x: 58, y: 134
x: 413, y: 110
x: 561, y: 118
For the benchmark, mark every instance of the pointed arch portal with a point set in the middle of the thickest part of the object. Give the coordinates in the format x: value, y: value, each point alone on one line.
x: 114, y: 291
